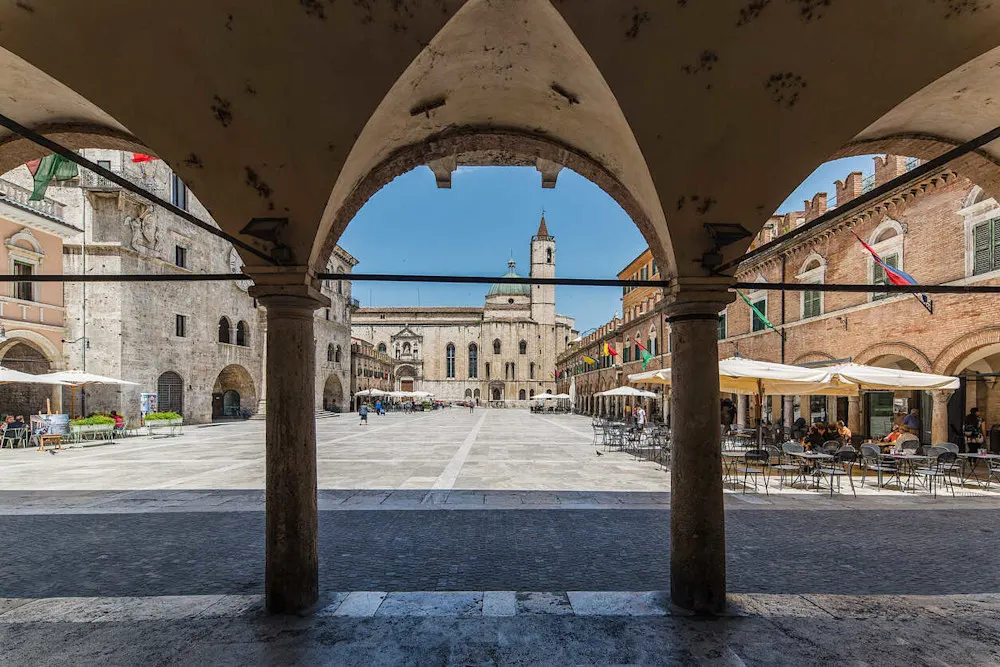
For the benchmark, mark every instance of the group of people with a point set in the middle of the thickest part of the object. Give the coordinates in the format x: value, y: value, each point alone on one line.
x: 636, y: 416
x: 821, y: 433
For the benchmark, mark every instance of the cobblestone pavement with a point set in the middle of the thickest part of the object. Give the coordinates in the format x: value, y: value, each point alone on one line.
x: 788, y: 551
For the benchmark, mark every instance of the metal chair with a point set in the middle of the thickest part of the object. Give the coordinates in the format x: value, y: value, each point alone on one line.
x: 841, y: 466
x: 947, y: 446
x: 786, y: 464
x: 14, y: 437
x: 871, y: 460
x: 755, y: 464
x: 941, y: 468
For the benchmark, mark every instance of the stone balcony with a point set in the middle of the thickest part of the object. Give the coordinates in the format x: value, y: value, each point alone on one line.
x: 20, y: 197
x: 88, y: 180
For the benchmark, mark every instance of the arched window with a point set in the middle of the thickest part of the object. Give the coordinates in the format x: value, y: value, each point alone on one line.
x: 449, y: 360
x: 812, y: 272
x: 531, y: 394
x: 652, y: 344
x: 473, y: 361
x: 548, y: 255
x: 381, y: 348
x: 520, y: 395
x: 487, y: 370
x: 224, y: 330
x: 522, y: 347
x: 496, y: 346
x: 242, y: 333
x: 531, y: 370
x: 170, y: 393
x: 330, y: 352
x: 406, y: 348
x: 336, y: 355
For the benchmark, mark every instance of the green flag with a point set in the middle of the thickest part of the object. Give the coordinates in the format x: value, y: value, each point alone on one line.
x: 759, y: 314
x: 52, y: 167
x: 646, y: 356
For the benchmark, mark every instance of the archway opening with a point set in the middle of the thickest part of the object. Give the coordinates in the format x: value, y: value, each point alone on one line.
x: 25, y: 399
x: 333, y: 394
x: 234, y: 394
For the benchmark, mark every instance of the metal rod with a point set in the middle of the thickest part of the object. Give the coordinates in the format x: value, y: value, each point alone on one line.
x: 848, y: 209
x: 582, y: 282
x: 72, y: 156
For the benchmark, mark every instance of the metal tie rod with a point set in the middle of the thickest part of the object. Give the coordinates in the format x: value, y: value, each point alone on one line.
x: 72, y: 156
x: 850, y: 208
x: 480, y: 280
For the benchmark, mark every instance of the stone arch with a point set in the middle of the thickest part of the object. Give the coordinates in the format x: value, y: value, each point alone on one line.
x: 170, y: 392
x: 812, y: 356
x: 242, y: 334
x: 23, y: 354
x: 36, y: 340
x: 896, y: 349
x: 333, y: 394
x: 234, y: 392
x: 26, y: 237
x: 948, y: 360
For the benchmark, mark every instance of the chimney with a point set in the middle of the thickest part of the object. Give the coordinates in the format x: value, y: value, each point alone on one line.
x: 849, y: 188
x: 888, y: 168
x: 816, y: 207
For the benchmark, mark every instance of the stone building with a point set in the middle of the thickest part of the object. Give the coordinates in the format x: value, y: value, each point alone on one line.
x: 31, y: 314
x: 198, y: 345
x: 370, y: 369
x: 502, y: 353
x: 944, y: 231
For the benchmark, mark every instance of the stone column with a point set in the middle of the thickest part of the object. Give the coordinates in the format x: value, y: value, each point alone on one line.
x: 805, y: 409
x: 854, y: 414
x: 741, y: 410
x: 831, y: 409
x: 697, y: 520
x: 291, y: 575
x: 261, y: 412
x: 939, y: 417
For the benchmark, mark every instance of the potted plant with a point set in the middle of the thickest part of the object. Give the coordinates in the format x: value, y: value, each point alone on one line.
x: 171, y: 420
x: 92, y: 427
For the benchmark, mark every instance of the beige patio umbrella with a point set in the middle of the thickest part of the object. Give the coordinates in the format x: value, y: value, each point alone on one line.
x: 76, y: 378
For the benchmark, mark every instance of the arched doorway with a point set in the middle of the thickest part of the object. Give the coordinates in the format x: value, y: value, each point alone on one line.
x: 24, y: 399
x: 333, y: 394
x: 497, y: 394
x: 406, y: 375
x: 234, y: 395
x: 170, y: 393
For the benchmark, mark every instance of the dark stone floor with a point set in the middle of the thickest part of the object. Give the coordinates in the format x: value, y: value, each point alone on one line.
x: 924, y: 551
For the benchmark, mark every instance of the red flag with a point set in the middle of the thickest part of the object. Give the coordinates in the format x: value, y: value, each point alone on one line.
x: 142, y: 157
x: 611, y: 351
x: 639, y: 345
x: 32, y: 165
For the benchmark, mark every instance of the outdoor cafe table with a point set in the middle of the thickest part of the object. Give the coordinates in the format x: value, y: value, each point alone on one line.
x: 911, y: 461
x: 729, y: 459
x: 815, y: 457
x: 973, y: 460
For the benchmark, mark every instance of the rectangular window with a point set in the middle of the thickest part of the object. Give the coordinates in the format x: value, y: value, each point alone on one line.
x: 181, y: 256
x: 627, y: 352
x: 327, y: 314
x: 645, y: 273
x: 23, y: 291
x: 178, y: 192
x: 104, y: 163
x: 986, y: 247
x: 722, y: 326
x: 655, y: 271
x: 878, y: 274
x: 811, y: 303
x: 181, y: 326
x: 758, y: 323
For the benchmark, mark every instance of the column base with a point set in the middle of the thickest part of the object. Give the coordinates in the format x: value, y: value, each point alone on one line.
x: 261, y: 413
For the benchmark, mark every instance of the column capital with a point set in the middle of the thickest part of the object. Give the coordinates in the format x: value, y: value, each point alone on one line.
x: 290, y: 286
x: 941, y: 394
x: 697, y: 295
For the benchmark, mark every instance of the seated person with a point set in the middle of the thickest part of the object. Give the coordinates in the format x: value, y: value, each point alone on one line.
x: 844, y: 432
x: 19, y: 422
x: 119, y: 420
x: 832, y: 433
x: 7, y: 422
x: 893, y: 434
x: 814, y: 439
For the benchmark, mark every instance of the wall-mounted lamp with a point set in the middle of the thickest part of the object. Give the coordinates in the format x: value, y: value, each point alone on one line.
x: 842, y: 319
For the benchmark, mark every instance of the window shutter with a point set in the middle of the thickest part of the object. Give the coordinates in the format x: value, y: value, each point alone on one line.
x: 995, y: 245
x: 981, y: 244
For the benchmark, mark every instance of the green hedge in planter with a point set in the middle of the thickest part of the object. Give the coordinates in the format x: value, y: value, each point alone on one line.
x: 96, y: 420
x: 161, y: 416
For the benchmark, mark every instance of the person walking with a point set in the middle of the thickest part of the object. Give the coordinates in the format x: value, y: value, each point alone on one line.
x: 363, y: 411
x: 472, y: 407
x: 378, y: 408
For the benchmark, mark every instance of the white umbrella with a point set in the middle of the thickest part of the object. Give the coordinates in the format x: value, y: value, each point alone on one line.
x: 77, y: 378
x: 875, y: 377
x: 562, y: 397
x: 370, y: 392
x: 627, y: 391
x: 542, y: 397
x: 10, y: 376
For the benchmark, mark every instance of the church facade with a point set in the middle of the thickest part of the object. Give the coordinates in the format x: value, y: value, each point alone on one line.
x: 502, y: 353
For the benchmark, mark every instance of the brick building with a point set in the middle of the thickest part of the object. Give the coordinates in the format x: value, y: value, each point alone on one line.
x: 945, y: 230
x: 370, y: 369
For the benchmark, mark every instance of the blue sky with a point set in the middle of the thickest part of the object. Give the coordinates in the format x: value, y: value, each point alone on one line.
x: 411, y: 226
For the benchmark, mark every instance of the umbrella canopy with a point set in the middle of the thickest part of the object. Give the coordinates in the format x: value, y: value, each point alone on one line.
x: 10, y: 376
x: 627, y: 391
x: 371, y: 392
x: 875, y: 377
x: 746, y: 376
x: 562, y: 397
x: 80, y: 378
x: 542, y: 397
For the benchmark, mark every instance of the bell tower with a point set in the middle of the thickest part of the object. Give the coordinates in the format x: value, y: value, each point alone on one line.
x: 543, y: 265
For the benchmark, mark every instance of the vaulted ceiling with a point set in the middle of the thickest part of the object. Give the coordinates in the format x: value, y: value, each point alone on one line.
x: 687, y: 111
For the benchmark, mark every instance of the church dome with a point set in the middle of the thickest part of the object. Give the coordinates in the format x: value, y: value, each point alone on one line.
x: 507, y: 289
